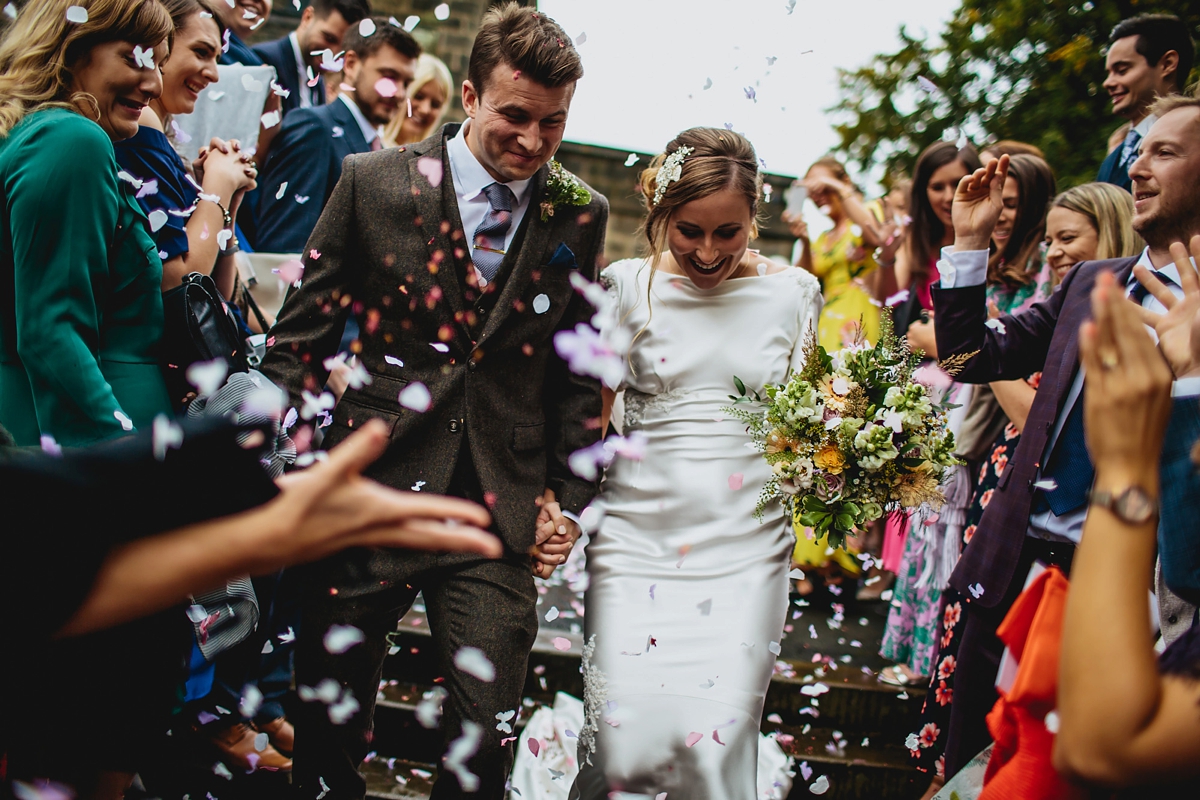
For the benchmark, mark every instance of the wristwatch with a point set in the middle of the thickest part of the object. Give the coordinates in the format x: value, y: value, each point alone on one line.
x: 1132, y: 505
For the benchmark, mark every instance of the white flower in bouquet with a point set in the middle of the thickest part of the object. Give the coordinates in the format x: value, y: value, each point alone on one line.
x: 875, y: 444
x: 799, y: 403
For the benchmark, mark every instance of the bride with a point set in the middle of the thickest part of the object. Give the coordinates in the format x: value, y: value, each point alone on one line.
x: 688, y: 591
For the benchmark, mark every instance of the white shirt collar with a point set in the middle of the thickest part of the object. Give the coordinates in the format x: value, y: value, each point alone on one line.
x: 369, y: 131
x: 1169, y: 269
x: 1143, y: 127
x: 470, y: 177
x: 300, y: 62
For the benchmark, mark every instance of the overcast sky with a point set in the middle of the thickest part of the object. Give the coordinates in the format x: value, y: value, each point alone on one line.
x: 647, y: 63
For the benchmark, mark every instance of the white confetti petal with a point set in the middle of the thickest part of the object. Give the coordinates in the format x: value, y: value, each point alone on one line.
x: 282, y: 190
x: 340, y: 638
x: 429, y: 710
x: 552, y: 614
x: 541, y: 304
x: 395, y: 362
x: 415, y: 397
x: 441, y: 12
x: 820, y: 785
x: 1052, y: 722
x: 366, y: 27
x: 207, y: 376
x: 77, y: 14
x: 472, y: 661
x: 157, y: 219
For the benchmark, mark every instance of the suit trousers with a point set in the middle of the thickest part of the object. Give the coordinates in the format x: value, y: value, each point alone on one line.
x: 470, y: 602
x: 979, y: 657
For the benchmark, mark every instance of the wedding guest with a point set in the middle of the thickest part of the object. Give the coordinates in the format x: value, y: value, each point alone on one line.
x: 1087, y: 223
x: 239, y: 19
x: 189, y: 242
x: 1009, y: 147
x: 727, y: 310
x: 305, y: 161
x: 297, y: 57
x: 1149, y: 56
x: 490, y: 413
x: 1039, y: 506
x: 939, y: 169
x: 1144, y: 737
x: 429, y: 100
x: 1016, y: 279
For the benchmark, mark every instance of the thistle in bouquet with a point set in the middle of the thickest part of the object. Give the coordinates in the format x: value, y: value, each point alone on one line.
x: 849, y: 436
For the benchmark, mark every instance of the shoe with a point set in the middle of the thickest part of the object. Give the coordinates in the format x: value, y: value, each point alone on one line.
x: 239, y: 747
x: 283, y: 735
x: 901, y: 676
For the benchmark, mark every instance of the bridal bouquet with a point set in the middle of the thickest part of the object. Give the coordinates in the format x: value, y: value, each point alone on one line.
x: 850, y: 435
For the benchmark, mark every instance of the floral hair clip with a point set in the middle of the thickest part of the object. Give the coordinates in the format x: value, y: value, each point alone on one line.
x: 669, y: 171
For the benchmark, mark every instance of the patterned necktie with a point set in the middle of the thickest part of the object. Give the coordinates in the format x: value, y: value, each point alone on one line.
x: 1140, y: 292
x: 1129, y: 150
x: 377, y: 144
x: 490, y: 235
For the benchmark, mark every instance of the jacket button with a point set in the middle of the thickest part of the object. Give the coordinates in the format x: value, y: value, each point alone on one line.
x: 454, y: 426
x: 1172, y: 619
x: 472, y: 364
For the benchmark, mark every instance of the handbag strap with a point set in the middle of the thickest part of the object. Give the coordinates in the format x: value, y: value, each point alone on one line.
x: 252, y: 304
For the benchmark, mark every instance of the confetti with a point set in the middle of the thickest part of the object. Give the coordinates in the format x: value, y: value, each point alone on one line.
x: 775, y: 648
x: 395, y: 362
x: 561, y: 644
x: 771, y: 60
x: 250, y: 84
x: 77, y: 14
x: 705, y: 607
x: 10, y: 11
x: 1052, y: 722
x: 316, y: 404
x: 805, y: 770
x: 50, y: 446
x: 631, y: 159
x: 441, y: 12
x: 166, y: 435
x: 472, y: 661
x: 386, y: 87
x: 411, y: 22
x: 271, y: 119
x: 552, y: 614
x: 1047, y: 485
x: 340, y: 638
x: 750, y: 93
x: 432, y: 169
x: 126, y: 422
x: 996, y: 325
x: 541, y: 304
x: 897, y: 298
x: 814, y: 690
x: 143, y: 58
x: 735, y: 481
x: 692, y: 738
x: 461, y: 749
x: 222, y: 770
x: 927, y: 86
x: 535, y: 746
x: 976, y: 590
x: 281, y: 191
x: 337, y: 131
x: 415, y: 397
x: 429, y: 710
x: 366, y: 27
x: 503, y: 725
x: 820, y: 785
x: 329, y: 61
x: 157, y: 219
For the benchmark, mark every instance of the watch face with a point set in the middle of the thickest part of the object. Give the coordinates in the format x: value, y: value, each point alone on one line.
x: 1134, y: 505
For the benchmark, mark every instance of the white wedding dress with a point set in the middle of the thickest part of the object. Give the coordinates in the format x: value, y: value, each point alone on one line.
x: 688, y: 591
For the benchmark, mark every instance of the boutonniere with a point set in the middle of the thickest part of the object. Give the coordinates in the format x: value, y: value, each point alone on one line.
x: 563, y: 187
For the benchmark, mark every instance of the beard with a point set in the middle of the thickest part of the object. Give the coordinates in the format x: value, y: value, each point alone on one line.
x: 1177, y: 219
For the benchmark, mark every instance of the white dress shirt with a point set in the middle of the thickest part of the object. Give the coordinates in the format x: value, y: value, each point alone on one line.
x: 302, y: 87
x: 470, y: 179
x: 370, y: 132
x: 959, y: 269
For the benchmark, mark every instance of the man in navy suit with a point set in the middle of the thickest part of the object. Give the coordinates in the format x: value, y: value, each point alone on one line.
x: 1149, y: 56
x: 323, y: 26
x: 1039, y: 506
x: 241, y: 19
x: 306, y: 159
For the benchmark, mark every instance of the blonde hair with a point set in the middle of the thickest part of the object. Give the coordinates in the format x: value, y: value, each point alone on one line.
x: 719, y: 159
x: 1109, y: 209
x: 430, y: 69
x: 39, y: 50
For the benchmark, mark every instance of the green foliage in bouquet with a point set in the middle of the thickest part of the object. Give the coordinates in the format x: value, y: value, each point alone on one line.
x: 849, y: 436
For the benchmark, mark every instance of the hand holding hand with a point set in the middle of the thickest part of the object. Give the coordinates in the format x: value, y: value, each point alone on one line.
x: 978, y: 202
x: 224, y: 169
x: 923, y: 336
x: 1179, y: 329
x: 1127, y: 394
x: 330, y: 506
x: 556, y: 536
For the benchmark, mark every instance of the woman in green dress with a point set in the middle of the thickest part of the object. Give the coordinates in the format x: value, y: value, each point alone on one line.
x: 80, y: 277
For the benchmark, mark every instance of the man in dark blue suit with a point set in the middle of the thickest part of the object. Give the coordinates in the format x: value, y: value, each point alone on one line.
x: 323, y: 26
x: 305, y: 161
x: 1149, y: 56
x: 240, y: 20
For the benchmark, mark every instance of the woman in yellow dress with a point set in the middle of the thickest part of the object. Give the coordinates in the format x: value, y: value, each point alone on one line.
x: 842, y: 259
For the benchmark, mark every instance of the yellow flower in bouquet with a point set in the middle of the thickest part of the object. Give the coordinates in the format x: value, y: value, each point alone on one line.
x: 830, y: 459
x: 919, y: 485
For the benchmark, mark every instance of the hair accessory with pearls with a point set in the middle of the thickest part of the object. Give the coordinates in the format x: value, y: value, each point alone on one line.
x: 669, y: 172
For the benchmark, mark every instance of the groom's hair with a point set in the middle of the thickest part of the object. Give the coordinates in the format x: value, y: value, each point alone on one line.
x: 526, y: 40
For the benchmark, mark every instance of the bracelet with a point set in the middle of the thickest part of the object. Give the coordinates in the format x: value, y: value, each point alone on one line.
x: 225, y: 215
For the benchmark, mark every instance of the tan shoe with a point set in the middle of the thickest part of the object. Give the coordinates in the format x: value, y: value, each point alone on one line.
x: 283, y: 735
x: 239, y: 747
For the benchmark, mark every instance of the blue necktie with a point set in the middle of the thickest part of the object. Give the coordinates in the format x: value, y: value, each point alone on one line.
x: 490, y: 235
x: 1139, y: 293
x: 1129, y: 150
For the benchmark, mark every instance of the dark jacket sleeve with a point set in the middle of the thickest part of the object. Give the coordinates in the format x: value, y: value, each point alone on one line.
x: 173, y: 192
x: 1013, y: 347
x: 307, y: 330
x: 302, y: 158
x: 572, y: 401
x: 1178, y: 531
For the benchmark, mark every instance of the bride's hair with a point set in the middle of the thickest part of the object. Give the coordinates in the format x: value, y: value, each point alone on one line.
x: 719, y: 159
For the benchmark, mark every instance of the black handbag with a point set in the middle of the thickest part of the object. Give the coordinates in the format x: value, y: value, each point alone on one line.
x: 197, y: 327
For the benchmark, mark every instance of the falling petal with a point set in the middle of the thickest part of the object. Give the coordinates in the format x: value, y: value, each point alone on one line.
x: 460, y: 751
x: 432, y: 169
x: 926, y: 85
x: 386, y: 87
x: 157, y: 219
x: 271, y: 119
x: 535, y: 746
x: 472, y: 661
x: 820, y: 785
x: 411, y: 22
x: 552, y: 614
x: 631, y: 159
x: 736, y: 480
x: 429, y: 710
x: 77, y: 14
x: 340, y: 638
x: 692, y: 738
x: 366, y: 27
x: 415, y: 397
x: 561, y: 644
x: 281, y: 191
x: 541, y: 304
x: 441, y: 12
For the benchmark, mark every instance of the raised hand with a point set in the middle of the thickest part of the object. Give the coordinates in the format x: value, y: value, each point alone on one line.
x: 978, y: 202
x: 1179, y: 329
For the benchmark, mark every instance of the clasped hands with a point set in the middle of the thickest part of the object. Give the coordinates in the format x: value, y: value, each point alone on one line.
x: 556, y: 535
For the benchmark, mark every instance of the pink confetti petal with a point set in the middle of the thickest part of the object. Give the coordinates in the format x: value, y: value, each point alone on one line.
x: 290, y: 271
x: 431, y: 168
x: 735, y: 481
x: 386, y: 87
x: 534, y: 746
x: 562, y: 644
x: 717, y: 739
x: 692, y: 738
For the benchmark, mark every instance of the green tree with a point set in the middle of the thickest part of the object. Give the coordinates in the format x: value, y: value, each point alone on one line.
x: 1030, y: 70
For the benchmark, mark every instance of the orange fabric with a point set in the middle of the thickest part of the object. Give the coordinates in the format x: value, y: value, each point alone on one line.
x: 1021, y: 764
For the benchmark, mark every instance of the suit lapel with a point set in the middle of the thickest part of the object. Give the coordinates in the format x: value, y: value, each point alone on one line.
x: 351, y: 133
x: 529, y: 257
x: 1075, y: 315
x: 437, y: 210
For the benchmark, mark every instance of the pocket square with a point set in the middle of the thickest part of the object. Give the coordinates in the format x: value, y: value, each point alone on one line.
x: 563, y: 257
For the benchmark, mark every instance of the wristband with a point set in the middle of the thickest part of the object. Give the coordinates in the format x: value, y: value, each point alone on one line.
x: 225, y: 216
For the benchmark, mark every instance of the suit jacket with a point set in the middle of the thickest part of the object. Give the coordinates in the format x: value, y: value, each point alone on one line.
x: 241, y: 53
x: 279, y: 54
x: 1044, y: 337
x: 1112, y: 172
x: 1178, y: 532
x: 307, y: 155
x: 392, y: 248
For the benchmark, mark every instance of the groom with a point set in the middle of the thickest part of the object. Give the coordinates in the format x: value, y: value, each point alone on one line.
x: 455, y: 255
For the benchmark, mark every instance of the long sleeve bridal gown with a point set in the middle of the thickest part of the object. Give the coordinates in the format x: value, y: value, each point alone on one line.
x: 688, y: 591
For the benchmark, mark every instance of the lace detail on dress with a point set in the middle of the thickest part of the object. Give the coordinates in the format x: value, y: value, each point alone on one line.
x: 595, y: 700
x: 638, y: 403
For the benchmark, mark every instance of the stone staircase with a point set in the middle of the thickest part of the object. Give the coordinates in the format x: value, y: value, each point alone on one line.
x: 848, y: 727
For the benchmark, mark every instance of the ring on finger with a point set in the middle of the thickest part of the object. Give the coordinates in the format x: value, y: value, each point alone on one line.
x: 1108, y: 359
